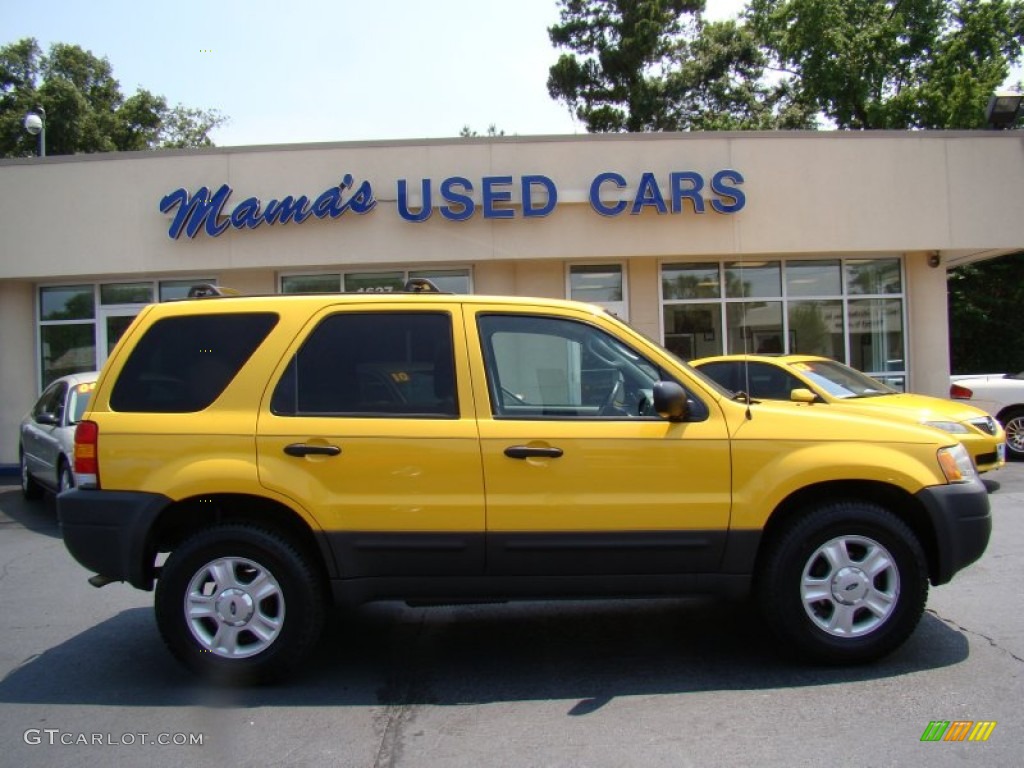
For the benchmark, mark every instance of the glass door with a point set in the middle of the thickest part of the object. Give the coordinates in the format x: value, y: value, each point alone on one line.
x: 112, y: 324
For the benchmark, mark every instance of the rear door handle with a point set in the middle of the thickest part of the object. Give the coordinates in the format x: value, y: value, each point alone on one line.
x: 302, y: 449
x: 528, y: 452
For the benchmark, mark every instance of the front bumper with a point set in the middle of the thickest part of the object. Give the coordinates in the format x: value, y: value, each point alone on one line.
x: 107, y: 532
x: 962, y: 521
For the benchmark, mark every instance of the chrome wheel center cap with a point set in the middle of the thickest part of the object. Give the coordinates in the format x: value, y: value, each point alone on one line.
x: 234, y: 607
x: 850, y: 585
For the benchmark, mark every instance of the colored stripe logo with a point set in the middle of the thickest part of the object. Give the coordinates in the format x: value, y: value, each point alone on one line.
x: 958, y: 730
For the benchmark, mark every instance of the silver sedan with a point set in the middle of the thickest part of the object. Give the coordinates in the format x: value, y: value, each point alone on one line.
x: 46, y: 445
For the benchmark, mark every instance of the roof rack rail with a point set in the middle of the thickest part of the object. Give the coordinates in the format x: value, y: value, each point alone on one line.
x: 420, y: 285
x: 209, y: 290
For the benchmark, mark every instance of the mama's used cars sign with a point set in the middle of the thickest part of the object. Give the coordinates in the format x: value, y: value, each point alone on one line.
x: 456, y: 198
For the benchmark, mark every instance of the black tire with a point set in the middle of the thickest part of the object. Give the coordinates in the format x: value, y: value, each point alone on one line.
x: 1013, y: 424
x: 844, y: 584
x: 263, y: 605
x: 65, y: 478
x: 30, y: 488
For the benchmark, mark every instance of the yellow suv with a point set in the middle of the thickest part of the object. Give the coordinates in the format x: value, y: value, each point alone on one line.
x: 260, y: 458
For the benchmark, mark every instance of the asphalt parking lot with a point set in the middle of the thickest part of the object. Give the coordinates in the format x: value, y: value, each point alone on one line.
x: 85, y: 680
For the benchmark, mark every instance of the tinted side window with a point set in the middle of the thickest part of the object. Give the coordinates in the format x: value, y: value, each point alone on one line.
x: 372, y: 364
x: 725, y: 374
x: 182, y: 364
x: 769, y: 382
x: 761, y: 380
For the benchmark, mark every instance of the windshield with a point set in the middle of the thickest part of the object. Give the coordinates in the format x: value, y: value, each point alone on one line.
x: 79, y: 400
x: 840, y: 380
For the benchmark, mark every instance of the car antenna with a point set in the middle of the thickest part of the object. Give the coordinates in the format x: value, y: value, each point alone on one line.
x: 746, y: 352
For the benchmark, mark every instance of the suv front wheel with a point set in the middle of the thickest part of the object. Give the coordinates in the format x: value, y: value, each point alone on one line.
x: 239, y: 604
x: 845, y: 583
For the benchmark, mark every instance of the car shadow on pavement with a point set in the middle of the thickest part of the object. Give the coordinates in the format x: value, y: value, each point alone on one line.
x: 38, y: 515
x: 393, y: 655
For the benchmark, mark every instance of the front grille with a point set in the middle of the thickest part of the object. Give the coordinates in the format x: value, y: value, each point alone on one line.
x: 986, y: 424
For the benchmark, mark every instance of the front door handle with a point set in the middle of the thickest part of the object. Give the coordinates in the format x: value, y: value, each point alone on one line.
x: 302, y: 449
x: 528, y: 452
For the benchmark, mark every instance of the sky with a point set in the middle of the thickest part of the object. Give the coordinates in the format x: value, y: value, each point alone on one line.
x: 323, y: 70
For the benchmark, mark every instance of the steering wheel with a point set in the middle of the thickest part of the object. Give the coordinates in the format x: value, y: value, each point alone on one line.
x: 612, y: 405
x: 600, y: 349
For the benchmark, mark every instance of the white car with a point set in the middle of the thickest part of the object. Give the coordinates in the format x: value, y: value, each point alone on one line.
x: 1001, y: 395
x: 46, y: 442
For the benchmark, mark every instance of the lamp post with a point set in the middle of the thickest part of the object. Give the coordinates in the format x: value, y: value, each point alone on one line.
x: 1003, y: 109
x: 35, y: 123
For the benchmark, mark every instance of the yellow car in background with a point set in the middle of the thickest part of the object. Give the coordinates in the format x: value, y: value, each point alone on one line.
x: 811, y: 379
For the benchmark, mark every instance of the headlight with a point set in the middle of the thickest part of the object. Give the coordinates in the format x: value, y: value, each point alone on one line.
x: 956, y: 464
x: 953, y: 427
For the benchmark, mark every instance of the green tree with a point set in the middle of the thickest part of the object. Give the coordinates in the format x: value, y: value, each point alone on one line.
x: 893, y: 64
x: 656, y: 65
x: 469, y: 133
x: 986, y: 335
x: 85, y: 109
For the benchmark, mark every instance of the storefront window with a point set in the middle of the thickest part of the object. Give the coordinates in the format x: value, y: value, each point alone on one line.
x: 446, y: 280
x: 311, y: 284
x: 374, y: 282
x: 865, y: 276
x: 126, y: 293
x: 601, y: 284
x: 816, y: 328
x: 755, y: 327
x: 66, y: 348
x: 813, y: 278
x: 693, y: 330
x: 595, y: 283
x: 691, y: 281
x: 876, y: 335
x: 753, y: 279
x: 842, y: 309
x: 178, y: 289
x: 67, y: 302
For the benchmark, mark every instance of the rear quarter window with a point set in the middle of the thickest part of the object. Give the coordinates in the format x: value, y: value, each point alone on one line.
x: 183, y: 364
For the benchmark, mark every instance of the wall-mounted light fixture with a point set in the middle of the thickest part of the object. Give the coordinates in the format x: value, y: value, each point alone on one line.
x: 934, y: 259
x: 35, y: 124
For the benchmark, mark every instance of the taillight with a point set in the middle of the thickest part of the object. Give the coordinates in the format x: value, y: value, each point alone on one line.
x: 87, y: 464
x: 960, y: 393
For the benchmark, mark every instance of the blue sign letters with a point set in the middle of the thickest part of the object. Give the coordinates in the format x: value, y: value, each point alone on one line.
x: 205, y: 210
x: 458, y: 198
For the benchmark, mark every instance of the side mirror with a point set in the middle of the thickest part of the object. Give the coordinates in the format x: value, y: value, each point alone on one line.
x: 47, y: 418
x: 801, y: 395
x: 670, y: 401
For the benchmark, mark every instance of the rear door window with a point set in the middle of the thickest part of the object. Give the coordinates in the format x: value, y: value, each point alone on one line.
x: 372, y: 364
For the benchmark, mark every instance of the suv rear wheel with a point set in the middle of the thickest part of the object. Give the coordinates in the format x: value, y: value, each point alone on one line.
x: 239, y: 604
x: 846, y: 583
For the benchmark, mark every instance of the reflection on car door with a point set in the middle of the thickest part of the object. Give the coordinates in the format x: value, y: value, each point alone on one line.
x: 584, y: 479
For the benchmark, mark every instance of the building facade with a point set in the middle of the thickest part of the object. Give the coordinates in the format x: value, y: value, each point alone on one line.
x: 833, y: 243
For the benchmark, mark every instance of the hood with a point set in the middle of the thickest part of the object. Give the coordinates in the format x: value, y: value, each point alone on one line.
x: 916, y: 407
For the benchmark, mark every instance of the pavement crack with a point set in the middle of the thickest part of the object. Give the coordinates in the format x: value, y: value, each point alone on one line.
x: 960, y: 628
x: 403, y: 692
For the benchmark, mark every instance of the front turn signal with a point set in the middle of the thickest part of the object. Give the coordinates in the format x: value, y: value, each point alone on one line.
x: 956, y: 464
